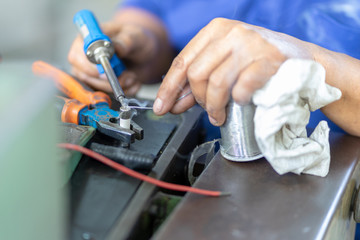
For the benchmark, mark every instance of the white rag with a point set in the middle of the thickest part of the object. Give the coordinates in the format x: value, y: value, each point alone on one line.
x: 282, y: 113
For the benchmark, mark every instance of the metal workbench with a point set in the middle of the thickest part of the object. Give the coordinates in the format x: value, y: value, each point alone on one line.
x: 266, y: 205
x: 107, y: 204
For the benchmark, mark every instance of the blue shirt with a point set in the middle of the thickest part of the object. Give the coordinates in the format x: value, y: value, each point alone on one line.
x: 332, y: 24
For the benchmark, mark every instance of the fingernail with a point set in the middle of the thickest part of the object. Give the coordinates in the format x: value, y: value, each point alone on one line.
x: 158, y: 105
x: 213, y: 121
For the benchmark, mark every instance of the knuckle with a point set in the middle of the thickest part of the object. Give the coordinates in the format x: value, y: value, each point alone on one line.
x: 178, y: 62
x: 237, y: 97
x: 238, y: 30
x: 241, y: 94
x: 248, y: 82
x: 217, y: 81
x: 217, y: 23
x: 196, y: 74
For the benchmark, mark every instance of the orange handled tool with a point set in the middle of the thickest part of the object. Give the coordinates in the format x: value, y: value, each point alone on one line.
x: 70, y: 109
x: 87, y: 107
x: 68, y: 85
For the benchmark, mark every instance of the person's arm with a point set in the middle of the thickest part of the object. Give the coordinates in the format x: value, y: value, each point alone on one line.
x: 140, y: 40
x: 343, y: 72
x: 230, y: 58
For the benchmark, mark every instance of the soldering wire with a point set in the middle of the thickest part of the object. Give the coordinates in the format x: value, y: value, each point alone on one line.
x: 140, y: 176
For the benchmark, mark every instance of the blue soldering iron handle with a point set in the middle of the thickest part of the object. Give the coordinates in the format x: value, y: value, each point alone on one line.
x: 90, y: 31
x: 89, y: 28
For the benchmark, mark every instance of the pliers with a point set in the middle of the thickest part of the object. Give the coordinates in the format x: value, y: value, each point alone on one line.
x: 87, y: 107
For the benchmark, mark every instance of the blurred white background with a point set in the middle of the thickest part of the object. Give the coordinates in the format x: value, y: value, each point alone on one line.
x: 43, y: 29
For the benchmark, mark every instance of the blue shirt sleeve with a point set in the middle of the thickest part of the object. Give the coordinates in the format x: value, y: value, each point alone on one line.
x: 333, y: 24
x: 148, y: 5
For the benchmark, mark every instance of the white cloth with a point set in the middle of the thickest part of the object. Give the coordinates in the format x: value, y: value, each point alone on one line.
x: 282, y: 113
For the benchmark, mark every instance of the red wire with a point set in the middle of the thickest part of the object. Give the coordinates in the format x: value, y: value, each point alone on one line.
x: 137, y: 175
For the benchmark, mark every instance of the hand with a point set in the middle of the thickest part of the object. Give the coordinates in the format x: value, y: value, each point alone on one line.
x: 134, y: 45
x: 226, y: 58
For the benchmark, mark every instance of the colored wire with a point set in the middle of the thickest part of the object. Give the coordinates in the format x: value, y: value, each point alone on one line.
x: 137, y: 175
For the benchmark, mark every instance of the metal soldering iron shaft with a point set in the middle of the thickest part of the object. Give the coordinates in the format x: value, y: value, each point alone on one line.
x: 115, y: 85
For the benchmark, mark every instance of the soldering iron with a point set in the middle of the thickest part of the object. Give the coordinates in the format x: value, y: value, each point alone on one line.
x: 100, y: 50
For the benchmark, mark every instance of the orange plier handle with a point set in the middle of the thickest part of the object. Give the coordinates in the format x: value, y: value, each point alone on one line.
x: 70, y: 109
x: 68, y: 85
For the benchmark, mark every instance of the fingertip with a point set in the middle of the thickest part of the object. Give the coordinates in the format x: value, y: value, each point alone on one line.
x: 218, y: 120
x: 158, y: 106
x: 213, y: 121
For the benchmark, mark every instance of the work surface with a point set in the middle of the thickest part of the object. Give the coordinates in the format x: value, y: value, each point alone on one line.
x: 263, y: 204
x: 107, y: 204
